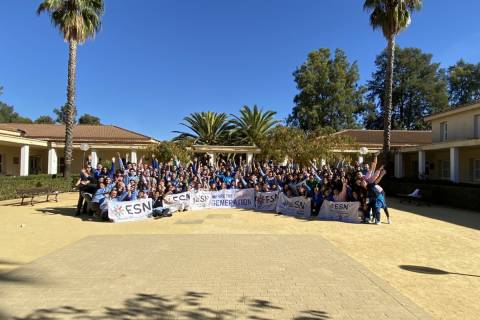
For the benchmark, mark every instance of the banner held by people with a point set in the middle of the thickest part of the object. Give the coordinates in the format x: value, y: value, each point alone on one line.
x: 340, y: 211
x: 130, y: 210
x: 296, y: 206
x: 266, y: 201
x: 177, y: 202
x: 232, y: 198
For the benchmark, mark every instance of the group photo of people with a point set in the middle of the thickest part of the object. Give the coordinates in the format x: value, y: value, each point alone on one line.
x: 98, y: 187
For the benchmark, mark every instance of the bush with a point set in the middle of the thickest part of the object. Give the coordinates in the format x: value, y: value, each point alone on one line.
x: 9, y: 185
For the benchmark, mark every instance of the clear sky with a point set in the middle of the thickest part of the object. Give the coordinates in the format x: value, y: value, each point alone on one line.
x: 156, y: 61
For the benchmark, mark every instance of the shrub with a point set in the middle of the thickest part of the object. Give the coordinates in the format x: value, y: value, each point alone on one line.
x: 10, y: 184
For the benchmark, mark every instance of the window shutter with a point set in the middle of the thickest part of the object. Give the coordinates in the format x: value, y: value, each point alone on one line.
x: 471, y: 170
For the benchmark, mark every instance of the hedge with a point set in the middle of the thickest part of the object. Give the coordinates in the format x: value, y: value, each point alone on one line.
x: 459, y: 195
x: 10, y: 184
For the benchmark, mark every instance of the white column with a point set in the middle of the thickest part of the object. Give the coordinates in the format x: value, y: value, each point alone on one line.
x: 454, y: 165
x: 212, y: 158
x: 360, y: 159
x: 249, y: 158
x: 24, y: 160
x: 399, y: 173
x: 52, y: 161
x: 133, y: 156
x: 94, y: 160
x: 421, y: 163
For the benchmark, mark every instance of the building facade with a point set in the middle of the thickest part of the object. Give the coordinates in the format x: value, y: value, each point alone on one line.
x: 454, y: 152
x: 38, y: 148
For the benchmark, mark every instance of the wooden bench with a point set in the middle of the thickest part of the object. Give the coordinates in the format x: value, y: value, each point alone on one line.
x: 35, y: 192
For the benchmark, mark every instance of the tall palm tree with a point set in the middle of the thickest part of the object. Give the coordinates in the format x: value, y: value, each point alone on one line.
x: 207, y: 128
x: 77, y: 20
x: 253, y: 124
x: 392, y: 16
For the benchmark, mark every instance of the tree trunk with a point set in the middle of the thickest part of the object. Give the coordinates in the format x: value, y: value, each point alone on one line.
x: 70, y: 112
x: 387, y: 112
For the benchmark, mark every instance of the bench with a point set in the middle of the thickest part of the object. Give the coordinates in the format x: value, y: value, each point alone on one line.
x: 415, y: 197
x: 37, y: 191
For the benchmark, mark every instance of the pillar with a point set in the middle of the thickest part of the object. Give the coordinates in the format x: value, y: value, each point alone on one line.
x: 52, y: 161
x: 212, y: 158
x: 454, y: 165
x: 249, y: 158
x: 24, y: 160
x: 133, y: 156
x: 94, y: 159
x: 421, y: 163
x: 399, y: 172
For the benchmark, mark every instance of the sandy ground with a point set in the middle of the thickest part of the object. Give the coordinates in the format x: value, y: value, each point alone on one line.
x: 434, y: 237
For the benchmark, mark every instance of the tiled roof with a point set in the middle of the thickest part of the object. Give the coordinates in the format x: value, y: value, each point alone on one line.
x: 81, y: 133
x: 398, y: 138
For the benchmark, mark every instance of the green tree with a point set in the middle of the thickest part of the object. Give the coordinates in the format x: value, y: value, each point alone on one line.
x: 62, y: 113
x: 392, y: 17
x: 45, y: 120
x: 300, y: 146
x: 89, y: 119
x: 77, y: 20
x: 463, y: 83
x: 252, y: 124
x: 167, y: 151
x: 8, y: 115
x: 206, y: 128
x: 329, y: 93
x: 419, y: 89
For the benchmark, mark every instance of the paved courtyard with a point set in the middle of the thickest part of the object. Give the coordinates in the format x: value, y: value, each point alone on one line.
x: 237, y: 264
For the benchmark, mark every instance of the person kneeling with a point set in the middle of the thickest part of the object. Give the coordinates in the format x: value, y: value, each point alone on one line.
x: 158, y: 210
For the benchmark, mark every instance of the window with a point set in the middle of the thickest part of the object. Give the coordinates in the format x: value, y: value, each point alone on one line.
x: 443, y: 131
x: 445, y: 172
x: 476, y: 169
x: 477, y: 126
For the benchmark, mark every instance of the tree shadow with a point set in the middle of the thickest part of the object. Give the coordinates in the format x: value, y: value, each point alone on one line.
x: 456, y: 216
x: 189, y: 305
x: 433, y: 271
x: 312, y: 315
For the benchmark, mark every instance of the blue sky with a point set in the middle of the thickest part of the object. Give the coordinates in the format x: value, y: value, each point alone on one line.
x: 156, y: 61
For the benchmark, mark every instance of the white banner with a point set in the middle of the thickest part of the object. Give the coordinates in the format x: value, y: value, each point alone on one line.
x: 340, y: 211
x: 130, y: 210
x: 266, y: 201
x: 233, y: 198
x: 177, y: 202
x: 200, y: 200
x: 294, y: 206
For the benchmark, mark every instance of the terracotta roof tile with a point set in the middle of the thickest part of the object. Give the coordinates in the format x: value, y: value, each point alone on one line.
x: 81, y: 133
x: 399, y: 138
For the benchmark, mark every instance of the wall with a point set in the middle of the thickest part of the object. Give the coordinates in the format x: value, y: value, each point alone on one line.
x: 460, y: 126
x: 466, y: 157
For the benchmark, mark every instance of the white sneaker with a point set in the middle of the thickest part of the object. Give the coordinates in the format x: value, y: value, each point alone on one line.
x: 377, y: 223
x: 389, y: 221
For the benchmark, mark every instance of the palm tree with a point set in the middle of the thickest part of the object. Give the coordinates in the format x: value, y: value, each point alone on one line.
x: 253, y: 124
x: 207, y: 128
x: 392, y: 16
x: 77, y: 20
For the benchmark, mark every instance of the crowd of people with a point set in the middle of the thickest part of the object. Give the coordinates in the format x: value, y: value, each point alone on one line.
x: 154, y: 179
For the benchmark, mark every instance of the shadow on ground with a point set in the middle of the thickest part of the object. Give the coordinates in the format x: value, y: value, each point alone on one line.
x: 68, y: 212
x: 460, y: 217
x: 433, y: 271
x: 190, y: 305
